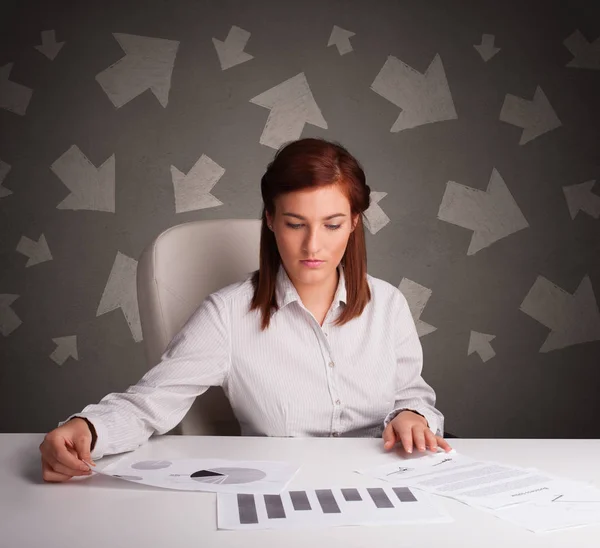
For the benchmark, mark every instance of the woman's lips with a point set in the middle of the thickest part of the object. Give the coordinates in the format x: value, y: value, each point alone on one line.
x: 312, y: 264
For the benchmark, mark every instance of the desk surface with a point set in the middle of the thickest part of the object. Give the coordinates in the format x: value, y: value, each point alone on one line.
x: 100, y: 511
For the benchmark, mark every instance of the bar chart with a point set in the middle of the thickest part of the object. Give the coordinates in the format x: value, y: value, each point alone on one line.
x: 326, y: 508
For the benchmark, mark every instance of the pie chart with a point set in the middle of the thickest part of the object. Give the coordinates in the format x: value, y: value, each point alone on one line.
x: 228, y: 475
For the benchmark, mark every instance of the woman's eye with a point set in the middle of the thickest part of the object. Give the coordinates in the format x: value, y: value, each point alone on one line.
x: 293, y: 225
x: 333, y: 227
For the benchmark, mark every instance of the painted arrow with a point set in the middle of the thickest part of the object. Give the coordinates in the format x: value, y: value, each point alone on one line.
x: 66, y: 347
x: 231, y: 51
x: 121, y: 292
x: 38, y: 252
x: 375, y: 216
x: 423, y: 98
x: 480, y: 343
x: 492, y: 214
x: 581, y: 198
x: 486, y: 49
x: 148, y: 64
x: 536, y: 117
x: 292, y: 105
x: 91, y: 188
x: 341, y: 39
x: 13, y: 97
x: 573, y: 319
x: 4, y: 169
x: 192, y: 191
x: 50, y: 47
x: 417, y: 296
x: 9, y: 320
x: 586, y: 55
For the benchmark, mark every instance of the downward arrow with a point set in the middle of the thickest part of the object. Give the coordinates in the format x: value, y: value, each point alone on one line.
x: 492, y: 214
x: 91, y: 188
x: 486, y: 49
x: 535, y: 117
x: 573, y: 319
x: 148, y: 64
x: 341, y: 38
x: 375, y: 216
x: 121, y: 292
x: 192, y: 191
x: 66, y: 347
x: 586, y: 55
x: 50, y: 47
x: 417, y: 296
x: 9, y: 321
x: 423, y: 98
x: 13, y: 97
x: 480, y: 343
x: 4, y: 169
x: 292, y: 105
x: 231, y: 52
x: 581, y: 198
x: 38, y: 252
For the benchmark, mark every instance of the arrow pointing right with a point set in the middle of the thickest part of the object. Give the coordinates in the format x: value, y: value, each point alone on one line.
x: 581, y: 198
x: 38, y: 252
x: 9, y: 321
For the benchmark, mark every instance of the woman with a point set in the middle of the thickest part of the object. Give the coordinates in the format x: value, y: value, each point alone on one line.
x: 309, y: 345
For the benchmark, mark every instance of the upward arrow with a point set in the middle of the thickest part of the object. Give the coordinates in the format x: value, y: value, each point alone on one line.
x: 65, y: 347
x: 292, y: 105
x: 581, y: 198
x: 148, y: 64
x: 586, y: 55
x: 13, y: 97
x: 231, y: 52
x: 50, y: 47
x: 423, y: 98
x: 341, y: 39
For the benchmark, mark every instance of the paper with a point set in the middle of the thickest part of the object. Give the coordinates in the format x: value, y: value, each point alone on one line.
x: 215, y: 475
x: 328, y: 507
x: 477, y: 483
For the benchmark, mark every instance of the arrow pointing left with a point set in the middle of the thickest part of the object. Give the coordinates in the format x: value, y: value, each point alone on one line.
x: 9, y: 320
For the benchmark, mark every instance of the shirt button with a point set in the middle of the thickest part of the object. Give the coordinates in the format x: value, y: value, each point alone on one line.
x: 335, y: 434
x: 337, y: 402
x: 331, y: 364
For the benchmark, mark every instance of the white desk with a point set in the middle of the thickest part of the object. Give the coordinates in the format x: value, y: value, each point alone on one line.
x: 103, y: 512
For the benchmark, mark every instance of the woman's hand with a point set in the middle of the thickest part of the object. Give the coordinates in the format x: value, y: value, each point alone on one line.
x: 411, y: 429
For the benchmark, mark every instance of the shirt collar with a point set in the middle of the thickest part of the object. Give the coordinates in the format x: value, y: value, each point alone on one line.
x: 285, y: 291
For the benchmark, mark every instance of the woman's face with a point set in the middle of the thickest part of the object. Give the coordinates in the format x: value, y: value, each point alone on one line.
x: 311, y: 229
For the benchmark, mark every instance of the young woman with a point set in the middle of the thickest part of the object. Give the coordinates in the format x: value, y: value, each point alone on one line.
x: 309, y: 345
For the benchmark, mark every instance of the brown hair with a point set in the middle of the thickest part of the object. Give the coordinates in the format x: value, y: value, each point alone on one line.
x: 303, y: 164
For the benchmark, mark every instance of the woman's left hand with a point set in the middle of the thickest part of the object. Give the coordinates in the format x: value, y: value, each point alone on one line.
x: 411, y: 429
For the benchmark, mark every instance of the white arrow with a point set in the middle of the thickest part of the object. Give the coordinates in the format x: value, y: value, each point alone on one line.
x: 4, y: 169
x: 480, y: 343
x: 581, y: 198
x: 573, y: 319
x: 14, y: 97
x: 231, y: 52
x: 536, y: 117
x: 341, y: 38
x: 121, y: 292
x: 50, y: 47
x: 9, y: 321
x: 66, y: 347
x: 417, y: 296
x: 38, y: 252
x: 148, y: 64
x: 586, y: 55
x: 423, y: 98
x: 492, y: 214
x: 375, y: 216
x: 292, y: 105
x: 486, y: 49
x: 91, y: 188
x: 192, y: 191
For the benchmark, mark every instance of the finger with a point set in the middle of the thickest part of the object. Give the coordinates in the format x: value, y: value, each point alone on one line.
x: 389, y: 437
x: 61, y: 455
x: 406, y: 437
x: 419, y: 437
x: 57, y: 466
x: 430, y: 440
x: 51, y: 476
x: 443, y: 444
x: 82, y: 446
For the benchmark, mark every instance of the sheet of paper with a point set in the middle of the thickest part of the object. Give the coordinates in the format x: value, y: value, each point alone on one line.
x: 216, y: 475
x: 328, y: 507
x: 478, y: 483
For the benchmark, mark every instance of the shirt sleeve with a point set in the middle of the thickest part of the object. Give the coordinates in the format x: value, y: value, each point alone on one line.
x: 196, y: 358
x: 412, y: 392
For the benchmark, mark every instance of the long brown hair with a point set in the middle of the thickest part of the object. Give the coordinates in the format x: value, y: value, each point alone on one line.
x: 304, y: 164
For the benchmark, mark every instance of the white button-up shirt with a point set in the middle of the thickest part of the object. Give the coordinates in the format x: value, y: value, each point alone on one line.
x: 296, y: 378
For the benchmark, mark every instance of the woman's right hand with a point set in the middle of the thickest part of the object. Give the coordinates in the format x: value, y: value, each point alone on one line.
x: 64, y: 449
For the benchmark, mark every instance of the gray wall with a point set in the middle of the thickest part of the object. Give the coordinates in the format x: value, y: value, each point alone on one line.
x: 533, y: 281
